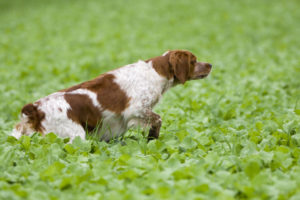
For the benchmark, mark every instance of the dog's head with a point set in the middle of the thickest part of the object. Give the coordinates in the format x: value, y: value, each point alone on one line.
x: 180, y: 65
x: 185, y: 66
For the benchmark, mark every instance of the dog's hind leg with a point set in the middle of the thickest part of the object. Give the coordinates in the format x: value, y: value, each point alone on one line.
x: 31, y: 118
x: 22, y: 128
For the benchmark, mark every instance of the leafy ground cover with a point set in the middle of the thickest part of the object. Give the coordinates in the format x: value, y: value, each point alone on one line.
x: 234, y: 135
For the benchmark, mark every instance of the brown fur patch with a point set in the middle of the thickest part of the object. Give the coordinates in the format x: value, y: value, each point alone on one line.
x: 109, y: 93
x: 83, y: 111
x: 162, y: 66
x: 35, y: 116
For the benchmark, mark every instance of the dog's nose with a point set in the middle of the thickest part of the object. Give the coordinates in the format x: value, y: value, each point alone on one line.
x: 208, y: 65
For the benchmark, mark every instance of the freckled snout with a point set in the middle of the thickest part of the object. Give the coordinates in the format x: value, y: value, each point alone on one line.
x: 202, y: 69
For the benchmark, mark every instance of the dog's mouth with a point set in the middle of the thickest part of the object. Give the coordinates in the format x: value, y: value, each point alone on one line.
x: 200, y: 76
x: 201, y: 70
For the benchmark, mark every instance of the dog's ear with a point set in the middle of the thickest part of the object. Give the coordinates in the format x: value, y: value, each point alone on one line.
x: 180, y: 62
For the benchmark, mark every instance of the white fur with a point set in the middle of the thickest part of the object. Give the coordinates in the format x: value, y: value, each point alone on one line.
x: 113, y: 126
x: 165, y: 53
x: 16, y: 133
x: 23, y: 127
x: 142, y: 84
x: 57, y: 121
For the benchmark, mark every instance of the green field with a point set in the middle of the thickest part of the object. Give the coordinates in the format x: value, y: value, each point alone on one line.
x: 233, y: 135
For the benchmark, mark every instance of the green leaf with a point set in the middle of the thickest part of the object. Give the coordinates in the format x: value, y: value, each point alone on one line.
x: 252, y: 169
x: 66, y: 183
x: 69, y: 148
x: 50, y: 137
x: 297, y: 111
x: 25, y: 142
x: 128, y: 174
x: 52, y: 170
x: 202, y: 188
x: 11, y: 139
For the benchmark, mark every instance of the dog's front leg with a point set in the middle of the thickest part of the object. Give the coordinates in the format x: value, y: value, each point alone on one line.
x: 155, y: 122
x: 147, y: 119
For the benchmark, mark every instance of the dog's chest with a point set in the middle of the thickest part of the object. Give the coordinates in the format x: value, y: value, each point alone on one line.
x: 143, y: 85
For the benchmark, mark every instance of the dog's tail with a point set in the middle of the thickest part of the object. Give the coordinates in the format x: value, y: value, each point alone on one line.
x: 31, y: 118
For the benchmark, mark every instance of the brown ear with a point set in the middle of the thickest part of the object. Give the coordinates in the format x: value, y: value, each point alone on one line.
x: 180, y: 62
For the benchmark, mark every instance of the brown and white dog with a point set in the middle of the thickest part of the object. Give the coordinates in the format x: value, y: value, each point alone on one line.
x: 114, y: 101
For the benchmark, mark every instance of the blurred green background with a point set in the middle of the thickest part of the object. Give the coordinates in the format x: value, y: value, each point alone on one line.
x: 233, y: 135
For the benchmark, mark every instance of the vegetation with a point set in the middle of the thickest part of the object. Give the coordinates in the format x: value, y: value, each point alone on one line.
x: 233, y: 135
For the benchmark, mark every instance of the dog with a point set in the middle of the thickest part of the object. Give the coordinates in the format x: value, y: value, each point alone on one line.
x: 113, y: 102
